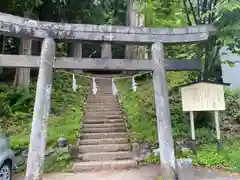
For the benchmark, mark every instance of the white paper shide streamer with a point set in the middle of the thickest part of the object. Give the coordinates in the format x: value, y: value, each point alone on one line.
x: 74, y: 85
x: 114, y: 88
x: 134, y: 84
x: 94, y: 89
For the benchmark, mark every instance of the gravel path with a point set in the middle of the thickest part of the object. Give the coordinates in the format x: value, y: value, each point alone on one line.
x: 143, y: 173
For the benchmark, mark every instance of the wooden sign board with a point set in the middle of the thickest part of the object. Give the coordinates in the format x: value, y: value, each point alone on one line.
x: 203, y: 97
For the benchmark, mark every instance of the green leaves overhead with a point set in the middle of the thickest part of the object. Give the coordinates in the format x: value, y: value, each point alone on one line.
x: 224, y: 14
x: 162, y: 13
x: 228, y: 24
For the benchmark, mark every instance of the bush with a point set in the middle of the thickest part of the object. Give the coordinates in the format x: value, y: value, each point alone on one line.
x: 139, y: 108
x: 16, y: 110
x: 232, y: 112
x: 66, y: 111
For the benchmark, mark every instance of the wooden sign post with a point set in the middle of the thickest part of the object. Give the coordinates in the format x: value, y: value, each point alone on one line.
x: 193, y: 132
x: 203, y: 96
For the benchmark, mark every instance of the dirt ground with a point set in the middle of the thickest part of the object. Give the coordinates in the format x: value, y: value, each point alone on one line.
x: 143, y: 173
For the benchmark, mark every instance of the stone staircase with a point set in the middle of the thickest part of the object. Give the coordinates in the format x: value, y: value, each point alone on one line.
x: 104, y: 142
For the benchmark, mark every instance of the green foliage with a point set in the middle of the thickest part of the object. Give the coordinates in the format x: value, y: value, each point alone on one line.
x: 143, y: 125
x: 140, y: 111
x: 15, y: 100
x: 162, y: 13
x: 66, y: 111
x: 59, y: 162
x: 209, y: 156
x: 139, y: 121
x: 233, y: 105
x: 151, y: 159
x: 223, y: 13
x: 108, y: 12
x: 228, y: 23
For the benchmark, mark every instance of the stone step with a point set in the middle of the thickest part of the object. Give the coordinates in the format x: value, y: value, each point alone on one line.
x: 101, y: 94
x: 102, y: 106
x: 97, y: 108
x: 103, y: 116
x: 103, y: 113
x: 103, y: 130
x: 107, y: 92
x: 103, y: 141
x: 104, y: 165
x: 102, y: 102
x: 102, y: 99
x: 102, y: 90
x: 105, y: 125
x: 102, y: 121
x: 104, y: 148
x: 99, y: 103
x: 95, y: 116
x: 106, y: 97
x: 108, y: 89
x: 106, y: 156
x: 104, y: 110
x: 104, y: 135
x: 104, y: 85
x: 110, y: 98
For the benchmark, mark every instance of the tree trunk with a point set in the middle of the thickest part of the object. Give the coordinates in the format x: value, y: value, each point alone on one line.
x: 76, y: 52
x: 36, y: 48
x: 141, y: 50
x: 106, y: 50
x: 212, y: 67
x: 22, y: 76
x: 3, y: 51
x: 135, y: 19
x: 130, y: 51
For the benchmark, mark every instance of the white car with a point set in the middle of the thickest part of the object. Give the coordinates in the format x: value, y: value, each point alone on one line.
x: 6, y: 159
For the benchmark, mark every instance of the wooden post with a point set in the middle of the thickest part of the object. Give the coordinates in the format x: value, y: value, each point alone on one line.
x: 76, y: 52
x: 37, y: 145
x: 219, y: 144
x: 164, y: 125
x: 192, y: 125
x: 131, y: 19
x: 134, y: 19
x: 3, y: 50
x: 193, y: 144
x: 106, y: 50
x: 22, y: 77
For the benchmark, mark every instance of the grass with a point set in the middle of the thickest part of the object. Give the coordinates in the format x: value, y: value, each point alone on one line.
x: 64, y: 120
x: 227, y: 158
x: 139, y: 108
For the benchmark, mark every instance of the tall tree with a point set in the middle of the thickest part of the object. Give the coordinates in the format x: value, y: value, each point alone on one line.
x: 221, y: 13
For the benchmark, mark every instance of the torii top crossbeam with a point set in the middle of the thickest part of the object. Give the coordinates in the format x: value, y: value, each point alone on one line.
x: 11, y: 25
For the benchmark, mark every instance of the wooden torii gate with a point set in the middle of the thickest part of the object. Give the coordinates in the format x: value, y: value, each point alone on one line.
x: 22, y: 27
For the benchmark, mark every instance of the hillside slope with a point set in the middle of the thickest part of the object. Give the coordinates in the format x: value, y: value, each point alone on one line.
x: 139, y: 109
